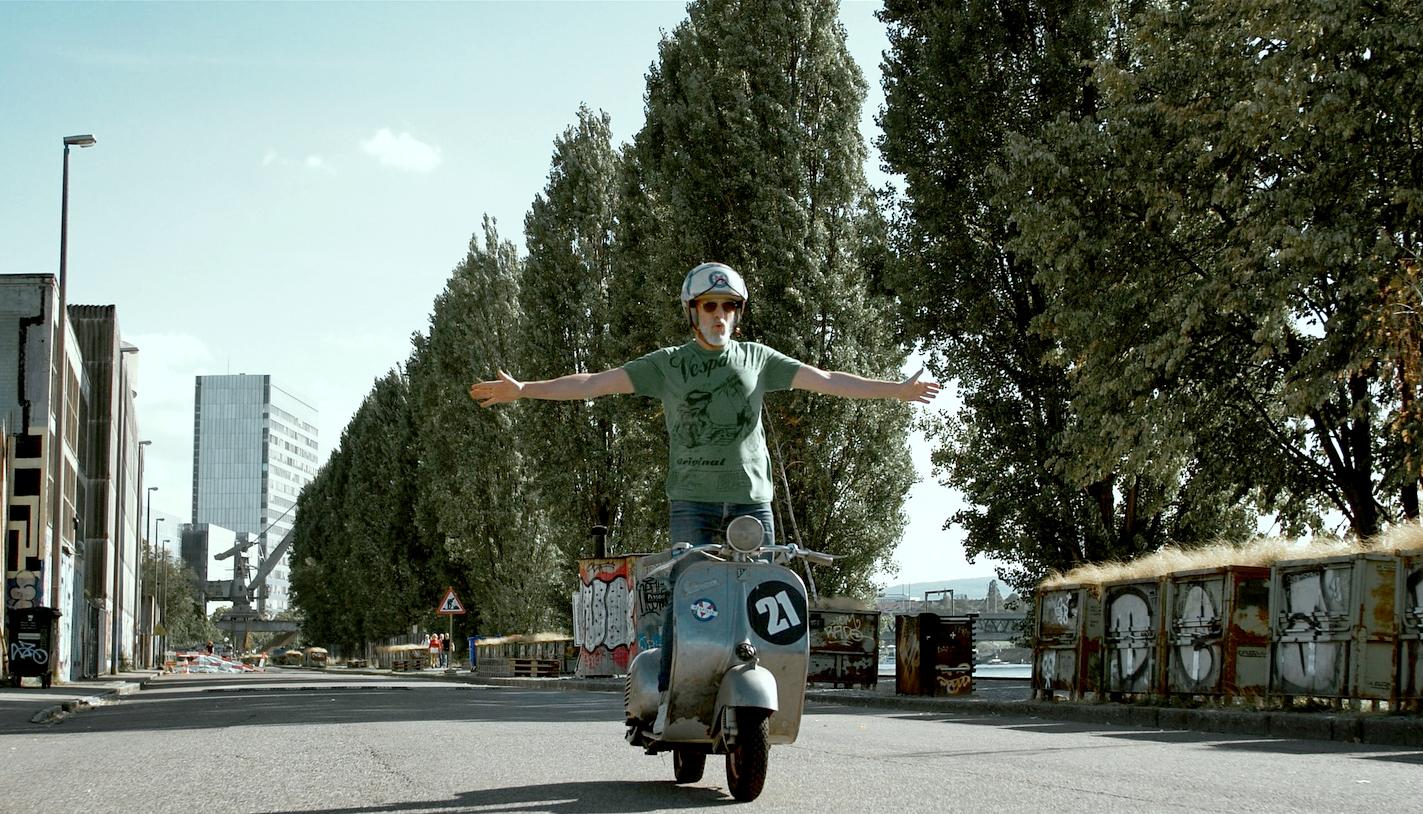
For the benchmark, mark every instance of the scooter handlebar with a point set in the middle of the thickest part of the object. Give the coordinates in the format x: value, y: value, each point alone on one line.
x: 793, y: 550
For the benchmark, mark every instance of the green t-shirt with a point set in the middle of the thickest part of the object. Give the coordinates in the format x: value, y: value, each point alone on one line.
x: 711, y: 401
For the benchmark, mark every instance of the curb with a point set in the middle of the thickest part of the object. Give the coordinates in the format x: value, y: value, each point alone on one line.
x: 57, y: 712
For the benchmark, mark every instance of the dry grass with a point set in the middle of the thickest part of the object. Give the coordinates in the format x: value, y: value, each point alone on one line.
x: 1262, y: 551
x: 1405, y: 538
x: 526, y: 637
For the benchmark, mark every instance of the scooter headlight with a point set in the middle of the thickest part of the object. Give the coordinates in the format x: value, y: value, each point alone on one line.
x: 745, y: 651
x: 745, y: 534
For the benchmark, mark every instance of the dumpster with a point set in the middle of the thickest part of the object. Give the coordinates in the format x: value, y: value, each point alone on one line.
x: 1335, y: 628
x: 844, y: 647
x: 1132, y: 639
x: 1067, y: 643
x: 31, y: 639
x: 1410, y: 619
x: 933, y: 654
x: 1218, y: 632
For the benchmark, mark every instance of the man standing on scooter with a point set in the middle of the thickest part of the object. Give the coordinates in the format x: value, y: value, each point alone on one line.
x: 711, y: 391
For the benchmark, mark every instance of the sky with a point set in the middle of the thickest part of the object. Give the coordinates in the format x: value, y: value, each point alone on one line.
x: 284, y: 188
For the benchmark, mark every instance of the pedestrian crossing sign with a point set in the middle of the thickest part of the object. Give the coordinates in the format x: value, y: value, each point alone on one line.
x: 450, y: 605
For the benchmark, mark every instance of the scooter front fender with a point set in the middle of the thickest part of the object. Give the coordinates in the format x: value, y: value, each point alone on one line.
x: 747, y: 685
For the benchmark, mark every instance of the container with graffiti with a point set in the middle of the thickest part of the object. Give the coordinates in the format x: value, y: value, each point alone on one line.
x: 1410, y: 619
x: 933, y: 654
x: 1067, y: 647
x: 1334, y: 628
x: 1133, y: 639
x: 1218, y: 633
x: 844, y: 646
x: 604, y: 626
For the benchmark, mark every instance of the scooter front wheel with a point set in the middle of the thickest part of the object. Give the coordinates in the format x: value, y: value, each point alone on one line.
x: 688, y: 764
x: 747, y: 761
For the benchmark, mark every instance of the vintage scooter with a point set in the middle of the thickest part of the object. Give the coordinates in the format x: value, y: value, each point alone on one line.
x: 740, y: 650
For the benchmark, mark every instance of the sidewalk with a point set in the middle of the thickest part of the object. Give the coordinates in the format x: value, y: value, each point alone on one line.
x: 33, y: 704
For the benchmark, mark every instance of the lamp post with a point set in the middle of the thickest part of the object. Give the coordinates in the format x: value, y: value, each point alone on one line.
x: 147, y: 537
x: 163, y: 614
x: 61, y: 318
x: 61, y: 361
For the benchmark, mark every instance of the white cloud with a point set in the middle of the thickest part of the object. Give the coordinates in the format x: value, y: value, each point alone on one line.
x: 315, y: 163
x: 403, y: 152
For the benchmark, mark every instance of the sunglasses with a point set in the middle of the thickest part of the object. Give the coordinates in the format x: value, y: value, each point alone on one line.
x: 727, y: 306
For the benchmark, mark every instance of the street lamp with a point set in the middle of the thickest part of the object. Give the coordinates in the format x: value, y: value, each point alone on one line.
x: 61, y: 320
x: 147, y: 537
x: 163, y: 614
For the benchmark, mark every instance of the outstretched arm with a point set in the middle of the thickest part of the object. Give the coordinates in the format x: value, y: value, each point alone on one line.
x: 574, y: 387
x: 850, y: 386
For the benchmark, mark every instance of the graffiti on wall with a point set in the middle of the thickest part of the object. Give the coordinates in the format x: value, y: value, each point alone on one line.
x: 1306, y: 657
x: 604, y: 616
x: 1130, y: 627
x: 1059, y: 613
x: 1198, y: 627
x: 24, y: 546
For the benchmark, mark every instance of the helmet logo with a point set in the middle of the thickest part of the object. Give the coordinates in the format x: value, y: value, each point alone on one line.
x: 718, y: 279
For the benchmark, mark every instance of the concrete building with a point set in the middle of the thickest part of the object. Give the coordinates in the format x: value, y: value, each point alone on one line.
x: 91, y: 576
x: 254, y: 448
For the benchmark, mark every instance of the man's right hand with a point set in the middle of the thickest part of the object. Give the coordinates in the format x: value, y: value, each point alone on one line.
x: 503, y: 390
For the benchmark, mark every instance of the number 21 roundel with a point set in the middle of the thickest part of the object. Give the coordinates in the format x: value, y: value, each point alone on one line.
x: 777, y: 612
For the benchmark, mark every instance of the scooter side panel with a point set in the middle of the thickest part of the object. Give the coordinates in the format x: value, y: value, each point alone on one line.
x: 717, y: 605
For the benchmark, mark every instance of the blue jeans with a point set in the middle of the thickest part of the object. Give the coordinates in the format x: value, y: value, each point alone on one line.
x: 699, y: 523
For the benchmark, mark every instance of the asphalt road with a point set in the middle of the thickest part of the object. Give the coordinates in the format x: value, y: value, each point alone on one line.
x: 311, y: 742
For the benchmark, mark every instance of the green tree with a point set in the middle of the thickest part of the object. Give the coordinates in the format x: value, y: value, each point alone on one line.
x: 960, y: 80
x: 472, y: 475
x: 751, y: 155
x: 571, y: 446
x: 1240, y: 247
x: 174, y: 587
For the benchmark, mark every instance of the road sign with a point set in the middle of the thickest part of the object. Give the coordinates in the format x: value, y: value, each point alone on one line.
x: 450, y: 605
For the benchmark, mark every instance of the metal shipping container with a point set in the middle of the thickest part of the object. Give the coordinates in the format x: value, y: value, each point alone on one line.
x: 934, y: 654
x: 1410, y: 638
x: 1334, y: 629
x: 844, y: 647
x: 1218, y: 632
x: 1133, y: 639
x: 1067, y: 643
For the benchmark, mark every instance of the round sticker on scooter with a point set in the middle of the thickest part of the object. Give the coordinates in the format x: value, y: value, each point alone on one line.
x: 777, y: 612
x: 704, y: 610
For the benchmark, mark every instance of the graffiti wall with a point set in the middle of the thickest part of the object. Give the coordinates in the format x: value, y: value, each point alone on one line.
x: 1132, y: 617
x: 1311, y: 651
x: 24, y: 538
x: 604, y: 628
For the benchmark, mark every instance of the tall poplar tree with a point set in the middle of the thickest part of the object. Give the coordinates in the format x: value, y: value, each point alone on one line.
x: 751, y: 155
x: 571, y: 446
x: 472, y: 474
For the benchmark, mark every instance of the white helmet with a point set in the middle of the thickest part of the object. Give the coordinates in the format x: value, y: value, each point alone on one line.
x: 712, y: 278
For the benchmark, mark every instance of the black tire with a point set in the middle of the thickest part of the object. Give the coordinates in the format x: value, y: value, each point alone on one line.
x: 748, y: 760
x: 688, y: 764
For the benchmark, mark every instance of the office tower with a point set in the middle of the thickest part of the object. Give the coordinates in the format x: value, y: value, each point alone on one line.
x: 254, y: 448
